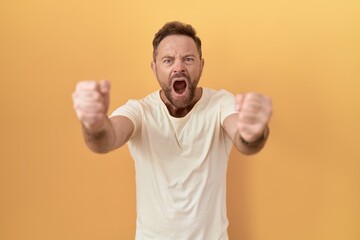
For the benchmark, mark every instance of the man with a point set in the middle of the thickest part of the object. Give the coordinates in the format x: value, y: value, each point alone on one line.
x: 180, y: 138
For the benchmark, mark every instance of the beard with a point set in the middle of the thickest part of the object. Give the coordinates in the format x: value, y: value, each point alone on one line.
x: 187, y: 90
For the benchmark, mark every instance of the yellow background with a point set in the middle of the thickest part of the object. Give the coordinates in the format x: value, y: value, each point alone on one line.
x: 304, y: 54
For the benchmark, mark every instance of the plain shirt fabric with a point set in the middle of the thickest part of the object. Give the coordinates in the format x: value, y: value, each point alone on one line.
x: 181, y: 166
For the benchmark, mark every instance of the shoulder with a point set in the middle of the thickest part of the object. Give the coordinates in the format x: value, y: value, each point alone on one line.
x: 149, y: 100
x: 212, y: 95
x: 136, y: 107
x: 152, y: 98
x: 216, y: 92
x: 219, y: 101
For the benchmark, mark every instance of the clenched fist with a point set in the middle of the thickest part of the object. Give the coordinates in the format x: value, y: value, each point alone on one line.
x: 91, y: 103
x: 254, y: 115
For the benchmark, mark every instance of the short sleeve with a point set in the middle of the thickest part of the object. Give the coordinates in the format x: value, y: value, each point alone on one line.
x: 132, y: 110
x: 227, y: 105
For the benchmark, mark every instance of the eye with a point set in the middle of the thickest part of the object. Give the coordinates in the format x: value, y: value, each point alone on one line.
x: 189, y: 59
x: 167, y: 61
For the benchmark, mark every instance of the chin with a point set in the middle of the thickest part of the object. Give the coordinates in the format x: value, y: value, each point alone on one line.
x: 179, y: 101
x: 182, y: 101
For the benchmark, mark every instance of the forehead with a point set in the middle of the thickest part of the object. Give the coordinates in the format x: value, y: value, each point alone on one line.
x: 177, y: 45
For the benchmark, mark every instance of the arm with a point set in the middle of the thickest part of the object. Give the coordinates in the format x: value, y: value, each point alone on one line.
x: 101, y: 134
x: 116, y: 132
x: 248, y: 129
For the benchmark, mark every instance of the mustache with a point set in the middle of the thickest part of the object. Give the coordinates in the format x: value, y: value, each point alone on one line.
x: 179, y: 75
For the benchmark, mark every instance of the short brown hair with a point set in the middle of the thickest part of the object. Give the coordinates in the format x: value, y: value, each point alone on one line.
x: 175, y: 28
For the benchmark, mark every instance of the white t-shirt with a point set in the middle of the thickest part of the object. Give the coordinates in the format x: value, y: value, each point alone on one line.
x: 181, y: 166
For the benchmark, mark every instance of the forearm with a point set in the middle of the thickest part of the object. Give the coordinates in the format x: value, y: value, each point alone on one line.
x: 249, y: 148
x: 101, y: 141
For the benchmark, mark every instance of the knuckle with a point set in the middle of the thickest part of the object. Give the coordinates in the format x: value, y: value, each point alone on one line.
x: 80, y: 115
x: 75, y: 106
x: 86, y: 84
x: 80, y: 85
x: 252, y: 95
x: 74, y: 95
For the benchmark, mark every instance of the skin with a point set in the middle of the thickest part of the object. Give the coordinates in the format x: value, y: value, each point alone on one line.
x: 177, y: 63
x: 91, y: 103
x: 177, y: 59
x: 248, y: 128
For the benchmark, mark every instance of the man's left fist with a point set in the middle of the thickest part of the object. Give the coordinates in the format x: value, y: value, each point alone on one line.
x: 254, y: 115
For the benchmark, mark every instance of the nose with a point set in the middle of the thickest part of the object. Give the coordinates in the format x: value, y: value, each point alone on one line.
x: 179, y: 66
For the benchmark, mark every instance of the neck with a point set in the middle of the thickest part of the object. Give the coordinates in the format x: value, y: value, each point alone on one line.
x: 179, y: 112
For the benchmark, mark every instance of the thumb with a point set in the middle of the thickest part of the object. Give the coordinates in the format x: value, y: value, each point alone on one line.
x: 239, y: 99
x: 104, y: 88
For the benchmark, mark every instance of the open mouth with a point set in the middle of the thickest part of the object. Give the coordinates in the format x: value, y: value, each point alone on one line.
x: 180, y: 87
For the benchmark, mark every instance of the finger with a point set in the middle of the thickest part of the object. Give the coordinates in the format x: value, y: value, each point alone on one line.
x: 239, y: 101
x: 85, y: 106
x: 249, y: 118
x: 86, y: 85
x: 89, y: 116
x: 104, y: 86
x: 252, y: 107
x: 89, y: 95
x: 256, y: 103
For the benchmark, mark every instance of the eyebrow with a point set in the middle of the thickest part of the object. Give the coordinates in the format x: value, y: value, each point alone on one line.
x: 167, y: 56
x: 186, y: 55
x: 190, y: 55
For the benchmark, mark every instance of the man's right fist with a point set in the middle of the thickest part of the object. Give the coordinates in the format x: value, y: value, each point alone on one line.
x: 91, y: 103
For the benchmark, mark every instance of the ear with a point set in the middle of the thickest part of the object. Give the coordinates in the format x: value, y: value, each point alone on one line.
x: 153, y: 67
x: 202, y: 63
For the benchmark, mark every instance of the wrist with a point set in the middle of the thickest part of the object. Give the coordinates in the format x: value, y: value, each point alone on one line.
x: 95, y: 129
x: 256, y: 142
